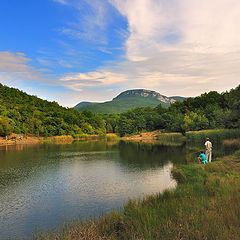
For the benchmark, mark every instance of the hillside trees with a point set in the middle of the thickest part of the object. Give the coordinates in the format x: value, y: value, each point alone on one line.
x: 6, y: 126
x: 25, y: 114
x: 31, y: 115
x: 208, y: 111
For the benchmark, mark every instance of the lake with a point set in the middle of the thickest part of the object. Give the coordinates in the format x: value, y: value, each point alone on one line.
x: 44, y: 186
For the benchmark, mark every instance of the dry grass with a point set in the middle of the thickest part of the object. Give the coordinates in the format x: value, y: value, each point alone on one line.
x: 112, y: 137
x: 157, y: 137
x: 60, y: 139
x: 232, y: 142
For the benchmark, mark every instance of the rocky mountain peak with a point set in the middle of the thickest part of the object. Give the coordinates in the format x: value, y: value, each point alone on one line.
x: 145, y: 94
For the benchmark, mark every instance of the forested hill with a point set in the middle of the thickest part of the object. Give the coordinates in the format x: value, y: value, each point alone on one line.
x: 208, y: 111
x: 25, y: 114
x: 22, y: 113
x: 128, y: 100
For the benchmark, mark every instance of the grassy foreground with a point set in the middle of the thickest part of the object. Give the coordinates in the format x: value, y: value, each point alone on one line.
x: 205, y: 205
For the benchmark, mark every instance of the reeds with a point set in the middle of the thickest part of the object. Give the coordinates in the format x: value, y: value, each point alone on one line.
x: 217, y: 135
x: 171, y: 138
x: 112, y: 137
x: 232, y: 143
x: 59, y: 139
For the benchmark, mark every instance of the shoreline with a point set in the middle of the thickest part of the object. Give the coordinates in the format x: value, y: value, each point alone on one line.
x: 203, y: 195
x: 65, y: 139
x: 32, y: 140
x: 25, y: 140
x: 197, y: 209
x: 156, y: 137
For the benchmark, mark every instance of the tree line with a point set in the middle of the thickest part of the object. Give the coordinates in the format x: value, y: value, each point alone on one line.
x: 209, y: 111
x: 24, y: 114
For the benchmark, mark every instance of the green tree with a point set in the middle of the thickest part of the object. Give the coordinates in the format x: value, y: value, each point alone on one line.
x: 6, y: 126
x: 194, y: 121
x: 126, y: 126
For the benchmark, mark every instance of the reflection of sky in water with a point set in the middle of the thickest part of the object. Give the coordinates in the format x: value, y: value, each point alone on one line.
x: 70, y: 185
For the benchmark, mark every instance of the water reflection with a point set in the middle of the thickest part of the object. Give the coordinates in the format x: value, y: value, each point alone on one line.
x: 139, y: 154
x: 43, y: 186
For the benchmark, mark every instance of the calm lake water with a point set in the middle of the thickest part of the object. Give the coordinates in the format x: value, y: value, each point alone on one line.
x: 44, y: 186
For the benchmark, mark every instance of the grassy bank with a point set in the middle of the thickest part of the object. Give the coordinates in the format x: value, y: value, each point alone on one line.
x: 205, y: 205
x: 232, y: 142
x: 36, y: 140
x: 194, y: 139
x: 218, y: 135
x: 65, y: 139
x: 165, y: 138
x: 157, y: 137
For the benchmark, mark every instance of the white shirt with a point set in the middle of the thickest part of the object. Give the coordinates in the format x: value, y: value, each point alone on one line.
x: 208, y: 145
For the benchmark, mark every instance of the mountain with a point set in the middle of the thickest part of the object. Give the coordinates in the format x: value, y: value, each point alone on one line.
x: 128, y: 100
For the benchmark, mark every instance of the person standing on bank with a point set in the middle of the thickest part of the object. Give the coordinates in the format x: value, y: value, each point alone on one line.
x: 208, y: 146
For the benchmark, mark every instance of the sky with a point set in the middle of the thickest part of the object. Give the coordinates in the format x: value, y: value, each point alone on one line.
x: 91, y: 50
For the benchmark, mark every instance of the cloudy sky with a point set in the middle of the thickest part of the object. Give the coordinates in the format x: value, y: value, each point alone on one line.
x: 75, y: 50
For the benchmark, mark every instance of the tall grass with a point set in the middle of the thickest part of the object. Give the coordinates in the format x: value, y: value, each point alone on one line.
x: 171, y: 138
x: 232, y: 142
x: 59, y: 139
x: 217, y: 135
x: 112, y: 137
x: 85, y: 136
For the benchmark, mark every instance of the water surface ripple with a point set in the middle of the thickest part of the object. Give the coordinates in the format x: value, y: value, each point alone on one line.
x: 44, y: 186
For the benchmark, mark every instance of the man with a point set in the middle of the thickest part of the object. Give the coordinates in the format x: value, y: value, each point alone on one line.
x: 208, y: 146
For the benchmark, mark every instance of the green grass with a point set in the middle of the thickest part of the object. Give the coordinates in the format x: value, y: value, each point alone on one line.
x: 171, y: 139
x: 112, y: 137
x: 205, y: 205
x: 217, y: 135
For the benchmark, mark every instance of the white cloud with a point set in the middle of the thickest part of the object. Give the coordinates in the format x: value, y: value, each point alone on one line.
x: 198, y: 26
x: 16, y: 62
x: 99, y: 79
x: 90, y: 22
x: 16, y: 67
x: 177, y: 47
x: 64, y: 2
x: 180, y: 46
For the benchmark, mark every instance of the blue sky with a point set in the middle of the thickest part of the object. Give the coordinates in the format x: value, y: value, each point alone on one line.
x: 77, y: 50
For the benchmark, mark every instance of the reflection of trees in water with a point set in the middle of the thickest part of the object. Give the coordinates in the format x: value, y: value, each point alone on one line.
x: 146, y: 156
x: 19, y: 162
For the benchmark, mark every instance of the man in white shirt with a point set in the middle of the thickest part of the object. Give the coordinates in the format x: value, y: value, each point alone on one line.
x: 208, y: 146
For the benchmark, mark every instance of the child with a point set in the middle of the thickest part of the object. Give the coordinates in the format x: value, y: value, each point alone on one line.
x: 202, y: 158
